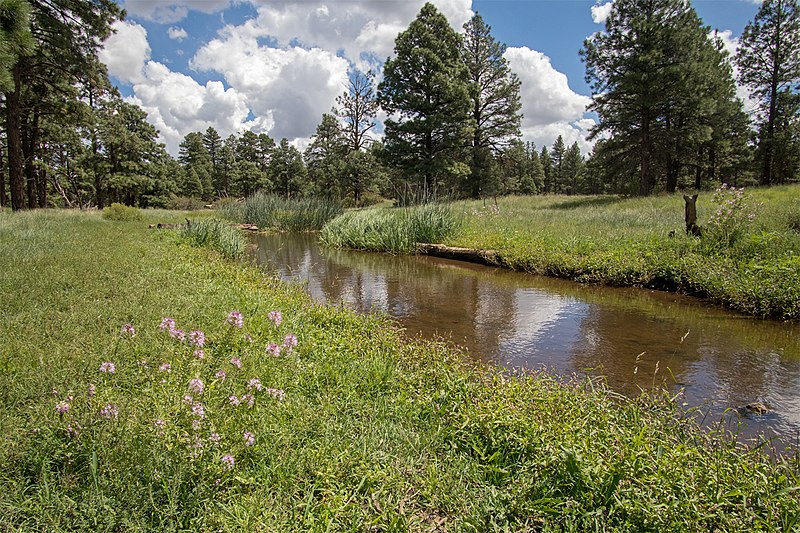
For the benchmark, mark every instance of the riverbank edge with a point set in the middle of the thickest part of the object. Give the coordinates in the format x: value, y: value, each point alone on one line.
x: 527, y: 451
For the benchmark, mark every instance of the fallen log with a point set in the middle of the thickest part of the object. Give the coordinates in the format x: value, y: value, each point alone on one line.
x: 163, y: 225
x: 481, y: 257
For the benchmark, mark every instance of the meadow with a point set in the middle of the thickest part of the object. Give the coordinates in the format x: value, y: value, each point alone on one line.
x: 149, y: 383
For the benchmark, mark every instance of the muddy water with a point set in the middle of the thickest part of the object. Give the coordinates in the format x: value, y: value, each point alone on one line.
x: 635, y: 338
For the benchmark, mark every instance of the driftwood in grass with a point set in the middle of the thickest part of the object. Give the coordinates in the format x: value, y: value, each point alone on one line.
x: 162, y: 225
x: 482, y: 257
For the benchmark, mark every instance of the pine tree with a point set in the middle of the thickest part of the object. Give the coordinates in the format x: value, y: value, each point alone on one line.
x: 425, y: 93
x: 547, y: 171
x: 494, y: 93
x: 557, y: 153
x: 657, y: 79
x: 325, y: 155
x: 357, y: 108
x: 769, y: 64
x: 213, y: 144
x: 196, y: 162
x: 287, y: 170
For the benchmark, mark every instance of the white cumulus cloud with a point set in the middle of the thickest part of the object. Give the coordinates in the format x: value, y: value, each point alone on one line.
x: 600, y: 12
x: 126, y: 51
x: 177, y: 34
x: 549, y: 107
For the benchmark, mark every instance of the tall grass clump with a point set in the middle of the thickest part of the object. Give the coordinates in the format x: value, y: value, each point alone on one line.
x: 268, y: 211
x: 395, y: 230
x: 215, y: 234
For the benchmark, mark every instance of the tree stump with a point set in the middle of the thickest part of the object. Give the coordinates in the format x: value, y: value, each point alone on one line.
x: 691, y: 215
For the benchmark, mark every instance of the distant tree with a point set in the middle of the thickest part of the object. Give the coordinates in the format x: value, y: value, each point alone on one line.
x: 196, y: 162
x: 557, y: 153
x: 425, y: 92
x: 547, y: 170
x: 495, y: 102
x: 356, y: 108
x: 213, y: 144
x: 325, y: 156
x: 769, y: 64
x: 573, y: 170
x: 287, y: 170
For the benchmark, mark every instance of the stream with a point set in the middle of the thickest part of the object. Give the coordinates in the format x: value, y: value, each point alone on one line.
x: 634, y: 338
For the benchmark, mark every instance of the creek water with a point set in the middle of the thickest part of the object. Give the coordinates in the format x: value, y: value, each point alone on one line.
x: 635, y: 338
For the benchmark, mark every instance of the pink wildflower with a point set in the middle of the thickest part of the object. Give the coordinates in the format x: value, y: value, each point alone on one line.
x: 188, y: 399
x: 200, y: 353
x: 235, y: 319
x: 198, y: 410
x: 274, y: 349
x: 249, y: 398
x: 91, y: 392
x: 160, y: 423
x: 196, y: 385
x: 228, y: 461
x: 62, y: 407
x: 235, y: 361
x: 233, y: 400
x: 221, y: 375
x: 276, y: 317
x: 197, y: 338
x: 109, y: 411
x: 276, y: 393
x: 165, y: 367
x: 108, y: 367
x: 128, y: 328
x: 214, y: 437
x: 254, y: 383
x: 177, y: 334
x: 249, y: 438
x: 289, y: 342
x: 167, y: 323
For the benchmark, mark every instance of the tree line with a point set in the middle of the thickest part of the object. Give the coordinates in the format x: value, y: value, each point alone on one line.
x: 663, y: 90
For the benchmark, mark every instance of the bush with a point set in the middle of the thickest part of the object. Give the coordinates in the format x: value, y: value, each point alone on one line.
x: 122, y: 212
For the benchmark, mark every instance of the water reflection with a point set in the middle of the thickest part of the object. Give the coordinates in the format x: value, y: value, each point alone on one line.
x: 636, y: 338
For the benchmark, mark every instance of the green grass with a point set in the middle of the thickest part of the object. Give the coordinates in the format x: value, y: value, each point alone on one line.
x: 395, y: 230
x: 751, y: 266
x: 373, y: 433
x: 271, y: 212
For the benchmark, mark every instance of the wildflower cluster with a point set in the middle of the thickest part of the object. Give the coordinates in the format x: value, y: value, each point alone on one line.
x: 203, y: 391
x: 732, y: 216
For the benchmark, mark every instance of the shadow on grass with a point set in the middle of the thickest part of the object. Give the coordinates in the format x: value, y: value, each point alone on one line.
x: 593, y: 201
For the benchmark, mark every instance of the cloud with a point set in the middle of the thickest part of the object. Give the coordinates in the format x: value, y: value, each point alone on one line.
x: 177, y: 34
x: 600, y: 12
x: 731, y: 45
x: 126, y: 51
x: 167, y: 12
x: 288, y: 88
x: 549, y: 107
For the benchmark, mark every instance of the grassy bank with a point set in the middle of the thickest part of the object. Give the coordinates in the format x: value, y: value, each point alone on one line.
x: 271, y: 212
x: 233, y: 417
x: 748, y: 257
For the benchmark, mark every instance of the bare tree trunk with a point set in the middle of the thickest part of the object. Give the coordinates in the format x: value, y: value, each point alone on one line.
x: 16, y: 171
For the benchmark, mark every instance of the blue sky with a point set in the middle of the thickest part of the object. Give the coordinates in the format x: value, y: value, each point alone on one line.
x: 275, y: 67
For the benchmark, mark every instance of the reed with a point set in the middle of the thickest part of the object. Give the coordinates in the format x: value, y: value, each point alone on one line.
x: 393, y: 230
x: 271, y: 212
x: 217, y: 235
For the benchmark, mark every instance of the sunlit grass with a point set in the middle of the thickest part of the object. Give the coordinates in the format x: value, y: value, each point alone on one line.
x: 271, y: 212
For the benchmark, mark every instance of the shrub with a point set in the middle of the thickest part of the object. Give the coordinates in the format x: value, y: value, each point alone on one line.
x: 181, y: 203
x: 121, y: 212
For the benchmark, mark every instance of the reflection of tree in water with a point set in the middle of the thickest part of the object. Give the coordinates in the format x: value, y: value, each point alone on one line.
x: 521, y: 320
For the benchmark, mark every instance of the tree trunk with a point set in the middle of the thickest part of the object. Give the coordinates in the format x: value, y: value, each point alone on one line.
x: 3, y: 198
x: 645, y: 176
x: 29, y: 154
x: 672, y: 174
x: 16, y: 170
